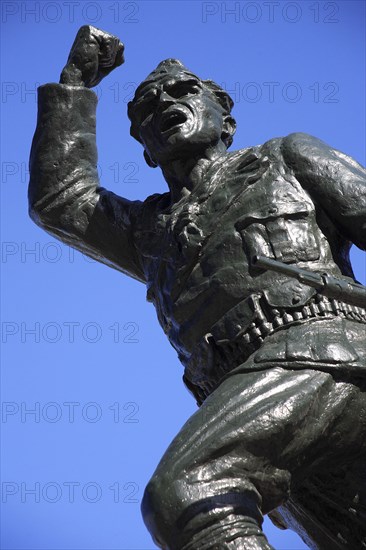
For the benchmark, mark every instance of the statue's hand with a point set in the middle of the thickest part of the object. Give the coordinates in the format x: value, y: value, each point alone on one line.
x: 93, y: 55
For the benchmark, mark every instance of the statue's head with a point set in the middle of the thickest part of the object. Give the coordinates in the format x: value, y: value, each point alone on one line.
x: 175, y: 114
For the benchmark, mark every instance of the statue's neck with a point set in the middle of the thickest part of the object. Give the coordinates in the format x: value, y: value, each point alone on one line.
x: 184, y: 175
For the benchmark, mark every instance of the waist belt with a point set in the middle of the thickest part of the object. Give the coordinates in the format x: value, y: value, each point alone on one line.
x: 212, y: 359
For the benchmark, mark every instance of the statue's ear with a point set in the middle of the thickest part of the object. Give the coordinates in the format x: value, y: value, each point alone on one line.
x: 149, y: 160
x: 228, y: 130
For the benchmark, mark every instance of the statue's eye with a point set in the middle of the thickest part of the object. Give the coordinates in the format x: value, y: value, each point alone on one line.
x: 146, y: 112
x: 146, y: 107
x: 182, y: 88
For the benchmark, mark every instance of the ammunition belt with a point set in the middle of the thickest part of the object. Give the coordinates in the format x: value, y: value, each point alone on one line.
x: 226, y: 355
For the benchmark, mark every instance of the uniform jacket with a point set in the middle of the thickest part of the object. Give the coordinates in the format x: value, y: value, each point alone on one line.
x: 294, y: 199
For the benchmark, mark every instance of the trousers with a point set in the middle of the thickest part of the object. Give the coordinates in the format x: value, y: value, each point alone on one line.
x: 255, y: 443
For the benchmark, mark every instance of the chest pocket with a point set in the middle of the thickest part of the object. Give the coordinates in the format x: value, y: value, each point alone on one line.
x: 285, y: 231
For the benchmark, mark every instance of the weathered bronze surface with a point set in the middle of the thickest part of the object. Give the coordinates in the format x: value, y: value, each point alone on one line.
x: 233, y: 257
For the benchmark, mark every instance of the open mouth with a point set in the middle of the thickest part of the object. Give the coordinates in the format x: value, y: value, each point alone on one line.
x: 172, y: 119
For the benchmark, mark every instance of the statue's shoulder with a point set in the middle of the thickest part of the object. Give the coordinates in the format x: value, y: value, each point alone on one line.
x: 300, y: 138
x: 296, y: 142
x: 301, y: 145
x: 270, y: 147
x: 268, y: 151
x: 292, y: 148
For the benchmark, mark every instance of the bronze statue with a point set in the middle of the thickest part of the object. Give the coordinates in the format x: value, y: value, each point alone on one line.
x: 246, y: 260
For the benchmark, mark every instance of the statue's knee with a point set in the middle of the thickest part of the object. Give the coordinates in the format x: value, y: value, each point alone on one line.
x: 150, y: 500
x: 158, y: 506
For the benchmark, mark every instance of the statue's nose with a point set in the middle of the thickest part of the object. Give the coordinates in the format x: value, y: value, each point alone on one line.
x: 166, y: 98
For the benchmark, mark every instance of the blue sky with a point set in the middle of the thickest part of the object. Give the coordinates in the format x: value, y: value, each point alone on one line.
x: 82, y: 348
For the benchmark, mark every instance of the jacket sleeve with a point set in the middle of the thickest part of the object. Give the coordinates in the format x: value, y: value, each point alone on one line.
x: 335, y: 181
x: 65, y: 198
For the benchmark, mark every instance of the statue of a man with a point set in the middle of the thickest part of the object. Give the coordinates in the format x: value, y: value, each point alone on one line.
x: 277, y: 367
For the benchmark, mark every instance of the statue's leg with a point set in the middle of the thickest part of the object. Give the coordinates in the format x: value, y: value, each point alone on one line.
x: 238, y: 455
x: 329, y: 507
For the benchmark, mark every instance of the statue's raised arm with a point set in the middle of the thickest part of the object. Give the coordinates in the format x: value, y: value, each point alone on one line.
x: 65, y: 198
x: 274, y: 349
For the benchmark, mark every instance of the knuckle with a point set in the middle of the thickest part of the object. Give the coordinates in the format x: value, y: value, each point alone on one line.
x: 84, y: 29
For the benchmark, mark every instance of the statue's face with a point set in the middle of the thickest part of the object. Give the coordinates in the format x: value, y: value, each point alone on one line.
x: 177, y: 115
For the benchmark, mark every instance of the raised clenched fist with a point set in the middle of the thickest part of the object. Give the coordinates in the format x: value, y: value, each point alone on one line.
x: 94, y: 54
